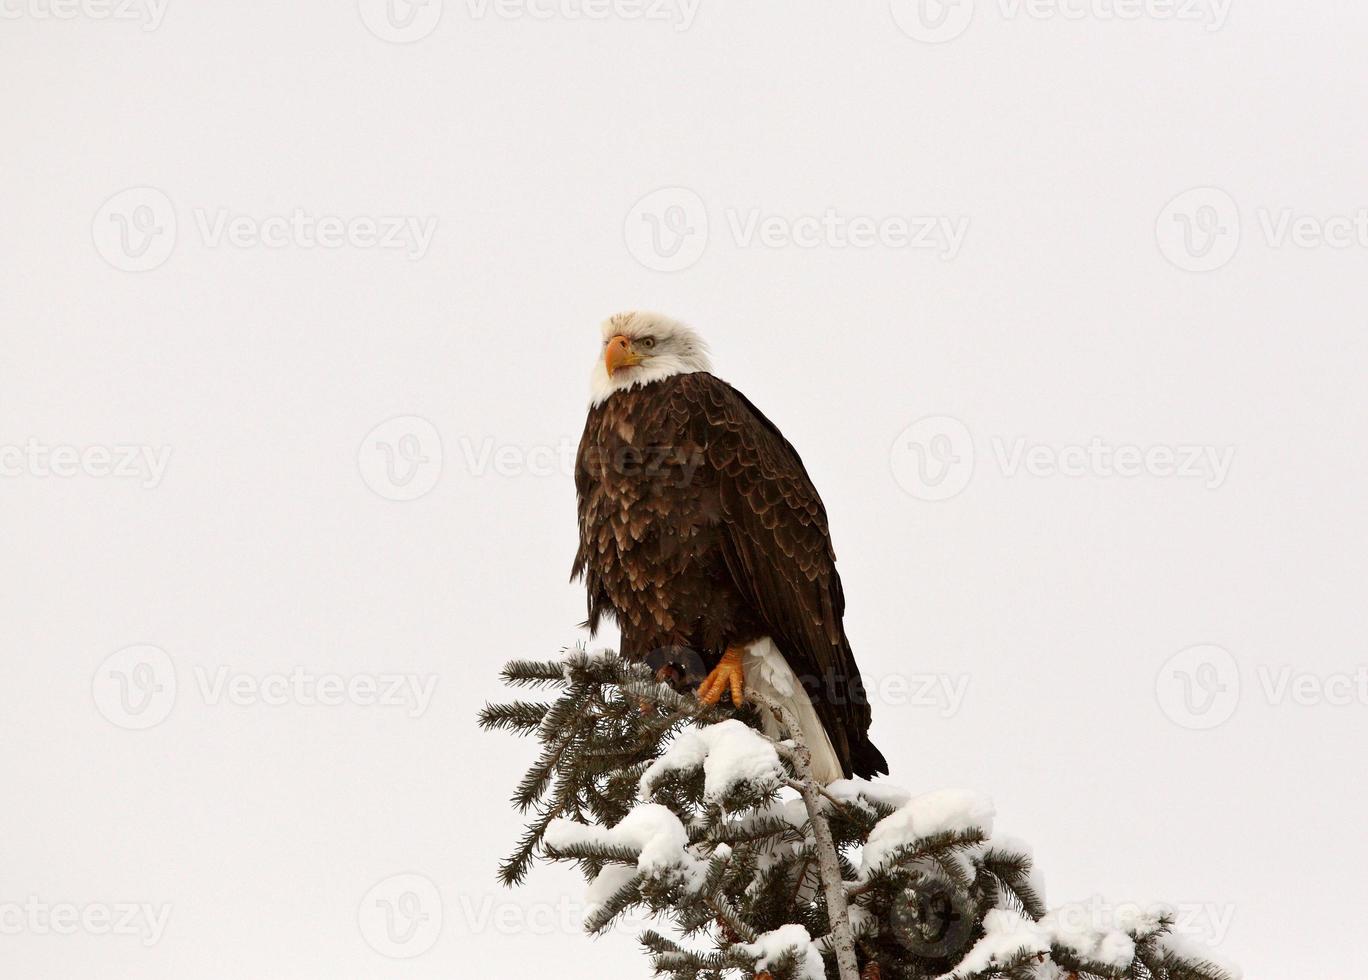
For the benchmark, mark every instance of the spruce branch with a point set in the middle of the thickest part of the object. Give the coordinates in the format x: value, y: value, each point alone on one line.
x: 516, y: 716
x: 1009, y: 873
x: 533, y: 673
x: 592, y: 851
x: 602, y: 916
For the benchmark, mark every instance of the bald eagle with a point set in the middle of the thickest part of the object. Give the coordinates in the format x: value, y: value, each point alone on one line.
x: 702, y: 535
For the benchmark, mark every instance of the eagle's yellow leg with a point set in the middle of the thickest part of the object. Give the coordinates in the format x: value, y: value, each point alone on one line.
x: 727, y: 675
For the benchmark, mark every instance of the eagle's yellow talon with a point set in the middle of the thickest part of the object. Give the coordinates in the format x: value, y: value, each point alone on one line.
x: 727, y: 675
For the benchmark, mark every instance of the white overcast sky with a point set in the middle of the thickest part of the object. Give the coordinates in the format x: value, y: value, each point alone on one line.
x: 1063, y: 308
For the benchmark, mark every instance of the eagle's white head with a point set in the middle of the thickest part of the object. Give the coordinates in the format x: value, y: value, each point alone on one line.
x: 639, y: 348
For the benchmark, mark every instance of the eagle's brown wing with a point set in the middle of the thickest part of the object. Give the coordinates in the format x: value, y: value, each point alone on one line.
x: 588, y: 502
x: 779, y: 554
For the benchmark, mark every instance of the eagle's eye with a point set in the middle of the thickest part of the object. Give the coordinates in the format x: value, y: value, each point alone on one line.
x: 647, y: 342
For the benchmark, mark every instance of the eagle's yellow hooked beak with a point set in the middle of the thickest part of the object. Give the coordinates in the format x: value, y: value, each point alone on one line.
x: 620, y: 354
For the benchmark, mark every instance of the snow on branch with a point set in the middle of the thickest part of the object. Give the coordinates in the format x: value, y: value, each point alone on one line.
x: 730, y: 753
x: 946, y: 812
x: 650, y: 834
x: 723, y: 837
x: 1010, y: 941
x: 788, y: 943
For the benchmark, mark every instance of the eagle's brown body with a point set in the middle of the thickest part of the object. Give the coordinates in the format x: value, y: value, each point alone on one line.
x: 700, y: 530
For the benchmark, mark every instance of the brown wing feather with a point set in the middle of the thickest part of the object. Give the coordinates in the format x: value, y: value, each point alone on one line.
x: 586, y: 494
x: 780, y: 556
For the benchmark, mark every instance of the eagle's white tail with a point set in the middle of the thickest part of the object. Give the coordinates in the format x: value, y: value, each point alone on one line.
x: 769, y: 675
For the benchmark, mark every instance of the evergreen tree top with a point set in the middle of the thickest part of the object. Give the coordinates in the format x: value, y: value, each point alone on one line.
x: 754, y: 869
